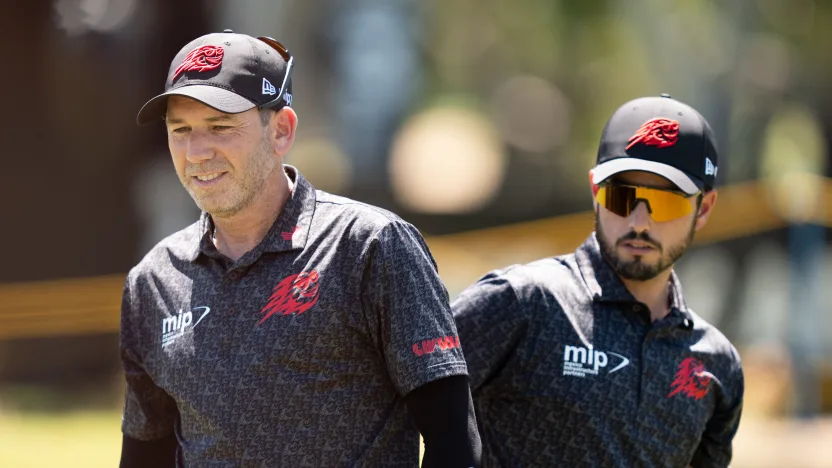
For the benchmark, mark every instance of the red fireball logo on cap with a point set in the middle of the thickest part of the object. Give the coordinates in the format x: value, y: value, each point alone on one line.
x: 658, y: 132
x: 201, y: 59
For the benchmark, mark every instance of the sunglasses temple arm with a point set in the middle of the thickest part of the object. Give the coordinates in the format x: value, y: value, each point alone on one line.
x: 276, y: 101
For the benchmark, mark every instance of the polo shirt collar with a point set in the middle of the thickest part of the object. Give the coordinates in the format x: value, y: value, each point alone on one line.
x: 605, y: 285
x: 290, y: 230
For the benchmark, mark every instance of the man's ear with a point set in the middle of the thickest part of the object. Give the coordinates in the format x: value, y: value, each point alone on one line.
x: 282, y: 127
x: 594, y: 188
x: 705, y: 209
x: 593, y: 185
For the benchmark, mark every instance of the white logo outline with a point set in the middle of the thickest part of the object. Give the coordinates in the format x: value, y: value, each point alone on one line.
x: 624, y: 362
x: 710, y: 169
x: 207, y: 310
x: 268, y: 88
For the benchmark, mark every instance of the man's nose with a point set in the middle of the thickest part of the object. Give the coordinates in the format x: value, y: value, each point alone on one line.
x: 640, y: 219
x: 199, y: 149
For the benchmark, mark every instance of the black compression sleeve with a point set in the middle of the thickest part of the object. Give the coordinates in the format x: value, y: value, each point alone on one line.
x: 155, y: 453
x: 444, y: 414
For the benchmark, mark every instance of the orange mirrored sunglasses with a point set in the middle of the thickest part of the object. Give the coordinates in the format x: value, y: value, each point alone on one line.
x: 663, y: 204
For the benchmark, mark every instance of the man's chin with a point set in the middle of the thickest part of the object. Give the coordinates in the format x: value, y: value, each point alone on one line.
x: 649, y: 260
x: 637, y: 269
x: 215, y: 208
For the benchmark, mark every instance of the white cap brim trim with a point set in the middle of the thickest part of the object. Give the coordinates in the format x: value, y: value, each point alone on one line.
x: 608, y: 169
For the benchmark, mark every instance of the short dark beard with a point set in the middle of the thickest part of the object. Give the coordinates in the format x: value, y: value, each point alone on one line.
x: 637, y: 270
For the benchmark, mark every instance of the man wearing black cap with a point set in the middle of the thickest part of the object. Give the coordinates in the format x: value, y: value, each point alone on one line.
x: 593, y: 359
x: 287, y: 327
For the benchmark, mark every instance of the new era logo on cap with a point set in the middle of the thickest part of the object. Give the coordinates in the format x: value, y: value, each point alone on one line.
x: 268, y: 88
x: 710, y: 169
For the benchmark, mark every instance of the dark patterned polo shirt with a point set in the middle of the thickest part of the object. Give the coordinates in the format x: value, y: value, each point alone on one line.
x: 567, y: 370
x: 297, y: 354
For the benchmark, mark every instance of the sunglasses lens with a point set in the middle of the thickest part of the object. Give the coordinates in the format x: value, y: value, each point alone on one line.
x: 663, y: 205
x: 616, y: 198
x: 283, y: 51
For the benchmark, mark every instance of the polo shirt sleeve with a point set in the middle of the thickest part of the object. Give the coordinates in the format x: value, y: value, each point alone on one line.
x: 714, y: 450
x: 149, y: 412
x: 491, y: 324
x: 408, y: 309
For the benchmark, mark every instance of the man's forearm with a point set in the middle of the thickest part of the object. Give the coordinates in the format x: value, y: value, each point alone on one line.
x: 444, y: 414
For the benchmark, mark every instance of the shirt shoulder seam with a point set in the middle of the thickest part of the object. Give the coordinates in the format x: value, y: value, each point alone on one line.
x: 389, y: 216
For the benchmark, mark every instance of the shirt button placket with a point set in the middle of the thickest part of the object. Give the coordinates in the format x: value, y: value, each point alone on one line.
x: 644, y: 369
x: 232, y: 276
x: 647, y: 370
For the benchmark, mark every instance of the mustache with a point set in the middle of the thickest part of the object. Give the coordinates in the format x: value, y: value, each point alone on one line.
x: 639, y: 236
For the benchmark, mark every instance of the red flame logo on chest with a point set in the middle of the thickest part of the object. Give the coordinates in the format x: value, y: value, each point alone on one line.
x: 201, y: 59
x: 691, y: 379
x: 295, y: 294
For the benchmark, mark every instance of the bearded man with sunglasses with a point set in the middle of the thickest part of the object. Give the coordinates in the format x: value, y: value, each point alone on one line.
x: 288, y: 326
x: 594, y: 359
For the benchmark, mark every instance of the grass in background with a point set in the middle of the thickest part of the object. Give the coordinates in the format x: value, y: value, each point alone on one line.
x: 67, y: 426
x: 89, y: 439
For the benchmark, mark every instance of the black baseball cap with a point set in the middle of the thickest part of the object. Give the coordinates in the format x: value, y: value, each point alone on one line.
x: 659, y: 135
x: 228, y: 71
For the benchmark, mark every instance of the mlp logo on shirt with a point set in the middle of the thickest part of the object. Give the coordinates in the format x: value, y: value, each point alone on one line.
x: 581, y: 362
x: 175, y: 326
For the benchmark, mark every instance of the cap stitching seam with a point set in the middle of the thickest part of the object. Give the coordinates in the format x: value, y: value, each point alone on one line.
x: 257, y: 64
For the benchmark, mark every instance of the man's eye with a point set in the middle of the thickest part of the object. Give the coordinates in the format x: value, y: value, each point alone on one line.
x: 220, y: 128
x: 180, y: 130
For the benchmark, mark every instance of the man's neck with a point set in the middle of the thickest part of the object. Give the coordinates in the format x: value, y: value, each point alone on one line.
x: 240, y: 233
x: 654, y: 293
